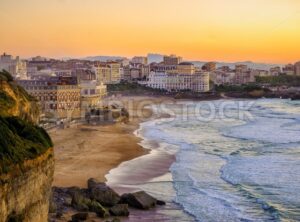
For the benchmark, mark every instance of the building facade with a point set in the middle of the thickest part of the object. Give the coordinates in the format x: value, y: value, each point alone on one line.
x: 172, y: 60
x: 108, y: 73
x: 140, y: 60
x: 289, y: 69
x: 275, y: 71
x: 179, y: 82
x: 16, y: 67
x: 92, y: 93
x: 59, y: 99
x: 297, y: 68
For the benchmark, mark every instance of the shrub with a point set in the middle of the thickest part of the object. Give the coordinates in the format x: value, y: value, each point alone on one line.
x: 6, y: 76
x: 20, y: 140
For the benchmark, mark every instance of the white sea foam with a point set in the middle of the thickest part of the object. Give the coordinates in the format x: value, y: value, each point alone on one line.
x: 228, y: 170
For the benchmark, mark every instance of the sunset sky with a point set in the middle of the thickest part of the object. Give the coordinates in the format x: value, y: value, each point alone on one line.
x: 209, y: 30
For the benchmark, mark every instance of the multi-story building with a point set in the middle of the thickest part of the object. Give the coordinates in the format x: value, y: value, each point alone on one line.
x: 297, y: 68
x: 161, y: 67
x: 140, y: 60
x: 103, y: 73
x: 181, y: 68
x: 16, y: 67
x: 275, y: 71
x: 259, y: 72
x: 92, y: 93
x: 240, y: 68
x: 172, y: 60
x: 220, y: 77
x: 243, y: 75
x: 58, y: 97
x: 135, y: 72
x: 115, y: 72
x: 198, y: 82
x: 185, y: 68
x: 289, y: 69
x: 63, y: 72
x: 108, y: 73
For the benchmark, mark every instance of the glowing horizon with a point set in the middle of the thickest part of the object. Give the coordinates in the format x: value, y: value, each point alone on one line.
x: 259, y: 31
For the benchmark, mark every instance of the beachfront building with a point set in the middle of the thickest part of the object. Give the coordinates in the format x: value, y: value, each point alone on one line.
x: 161, y: 67
x: 297, y: 68
x: 185, y: 68
x: 198, y: 82
x: 58, y: 97
x: 180, y: 68
x: 16, y: 67
x: 92, y: 93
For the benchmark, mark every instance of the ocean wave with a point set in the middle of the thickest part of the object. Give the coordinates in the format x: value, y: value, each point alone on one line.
x: 222, y: 167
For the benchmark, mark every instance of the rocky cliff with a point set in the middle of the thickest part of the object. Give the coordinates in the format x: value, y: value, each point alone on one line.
x: 15, y: 101
x: 26, y: 156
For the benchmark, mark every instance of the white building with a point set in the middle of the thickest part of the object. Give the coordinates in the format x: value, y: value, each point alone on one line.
x: 16, y: 67
x: 179, y: 82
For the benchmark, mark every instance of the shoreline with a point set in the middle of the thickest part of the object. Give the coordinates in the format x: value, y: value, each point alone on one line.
x: 86, y: 151
x: 155, y: 162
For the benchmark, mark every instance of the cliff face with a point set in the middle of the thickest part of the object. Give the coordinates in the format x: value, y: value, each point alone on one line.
x: 24, y: 193
x: 26, y: 157
x: 15, y: 101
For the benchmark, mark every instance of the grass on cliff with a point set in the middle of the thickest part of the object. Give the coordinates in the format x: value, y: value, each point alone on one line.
x: 19, y: 141
x: 238, y: 88
x: 279, y: 80
x: 130, y: 87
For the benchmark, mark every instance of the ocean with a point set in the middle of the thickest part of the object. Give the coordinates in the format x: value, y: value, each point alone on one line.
x: 235, y: 160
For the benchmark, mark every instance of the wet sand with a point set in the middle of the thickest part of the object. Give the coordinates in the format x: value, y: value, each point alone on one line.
x: 82, y: 152
x: 86, y: 151
x: 112, y: 154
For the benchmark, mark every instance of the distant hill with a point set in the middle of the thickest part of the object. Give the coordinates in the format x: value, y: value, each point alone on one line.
x: 103, y: 58
x: 252, y: 65
x: 155, y: 58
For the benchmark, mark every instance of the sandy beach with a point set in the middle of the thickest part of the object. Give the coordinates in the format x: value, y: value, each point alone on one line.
x: 85, y: 151
x: 103, y: 152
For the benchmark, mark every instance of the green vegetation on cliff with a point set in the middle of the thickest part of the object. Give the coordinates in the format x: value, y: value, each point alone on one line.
x: 279, y: 80
x: 130, y: 87
x: 238, y: 88
x: 14, y: 100
x: 20, y: 138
